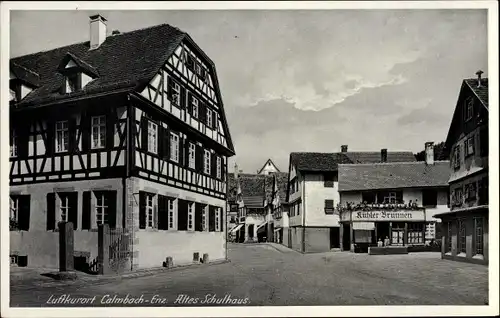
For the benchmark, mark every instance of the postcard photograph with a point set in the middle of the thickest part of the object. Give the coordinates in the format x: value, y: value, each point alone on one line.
x: 245, y: 160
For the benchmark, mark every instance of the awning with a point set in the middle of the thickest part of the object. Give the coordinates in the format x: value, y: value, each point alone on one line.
x: 262, y: 227
x: 363, y: 225
x: 235, y: 229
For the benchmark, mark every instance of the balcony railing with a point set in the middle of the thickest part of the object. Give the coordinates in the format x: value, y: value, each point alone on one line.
x: 352, y: 207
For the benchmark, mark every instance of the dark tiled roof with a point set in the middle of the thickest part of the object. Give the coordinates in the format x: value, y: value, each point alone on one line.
x: 354, y: 177
x: 375, y: 157
x: 252, y: 185
x: 86, y: 67
x: 124, y: 60
x: 316, y: 161
x: 269, y: 187
x: 481, y: 92
x: 24, y: 74
x: 254, y: 201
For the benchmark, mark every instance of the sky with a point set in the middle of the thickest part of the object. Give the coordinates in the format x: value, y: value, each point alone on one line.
x: 311, y: 80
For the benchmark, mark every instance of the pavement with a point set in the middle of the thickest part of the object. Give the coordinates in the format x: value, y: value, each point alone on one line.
x: 271, y: 274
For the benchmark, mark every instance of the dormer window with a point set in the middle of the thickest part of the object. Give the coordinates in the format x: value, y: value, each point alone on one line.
x: 22, y: 81
x: 77, y: 73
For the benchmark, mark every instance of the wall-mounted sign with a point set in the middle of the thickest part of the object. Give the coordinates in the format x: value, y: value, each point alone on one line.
x: 388, y: 216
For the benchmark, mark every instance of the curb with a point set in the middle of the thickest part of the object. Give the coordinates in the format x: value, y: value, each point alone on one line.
x: 148, y: 272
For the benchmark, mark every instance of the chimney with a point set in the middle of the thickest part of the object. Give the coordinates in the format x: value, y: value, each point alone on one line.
x: 343, y: 148
x: 479, y: 73
x: 383, y: 155
x: 97, y: 31
x: 429, y: 153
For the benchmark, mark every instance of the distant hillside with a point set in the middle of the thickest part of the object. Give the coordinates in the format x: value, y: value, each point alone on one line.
x: 440, y: 153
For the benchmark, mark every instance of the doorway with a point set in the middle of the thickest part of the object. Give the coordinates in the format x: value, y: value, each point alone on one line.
x: 335, y: 237
x: 382, y: 230
x: 346, y: 237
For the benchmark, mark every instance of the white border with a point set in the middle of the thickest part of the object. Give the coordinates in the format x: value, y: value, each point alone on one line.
x: 255, y: 311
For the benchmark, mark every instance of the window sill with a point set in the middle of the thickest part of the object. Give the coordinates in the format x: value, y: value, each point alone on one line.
x: 462, y: 255
x: 478, y: 256
x: 447, y: 253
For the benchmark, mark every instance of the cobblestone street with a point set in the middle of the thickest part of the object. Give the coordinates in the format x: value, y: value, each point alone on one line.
x: 267, y: 274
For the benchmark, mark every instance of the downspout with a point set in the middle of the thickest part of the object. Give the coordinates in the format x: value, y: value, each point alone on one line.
x: 304, y: 215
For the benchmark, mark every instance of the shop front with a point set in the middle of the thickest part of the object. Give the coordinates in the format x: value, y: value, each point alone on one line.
x: 362, y: 229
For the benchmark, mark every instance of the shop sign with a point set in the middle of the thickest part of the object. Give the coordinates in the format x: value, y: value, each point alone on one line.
x: 388, y: 216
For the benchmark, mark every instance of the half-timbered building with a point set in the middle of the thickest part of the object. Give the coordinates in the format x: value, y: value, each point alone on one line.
x: 126, y: 129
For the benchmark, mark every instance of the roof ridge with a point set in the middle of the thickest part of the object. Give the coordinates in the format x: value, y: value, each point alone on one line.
x: 391, y: 163
x: 107, y: 36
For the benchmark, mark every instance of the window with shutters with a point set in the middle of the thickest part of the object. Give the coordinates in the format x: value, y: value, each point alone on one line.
x: 456, y: 157
x: 190, y: 225
x: 219, y: 167
x: 102, y: 208
x: 62, y: 136
x: 150, y: 208
x: 13, y: 144
x: 209, y: 117
x: 174, y: 147
x: 14, y: 208
x: 217, y: 219
x: 206, y: 166
x: 204, y: 218
x: 194, y: 104
x: 98, y: 132
x: 329, y: 208
x: 172, y: 205
x: 192, y: 155
x: 64, y: 207
x: 152, y: 137
x: 176, y: 94
x: 469, y: 146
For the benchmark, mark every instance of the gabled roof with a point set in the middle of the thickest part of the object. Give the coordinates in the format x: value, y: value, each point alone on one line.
x: 265, y: 165
x: 481, y: 92
x: 252, y: 185
x: 324, y: 162
x: 22, y: 73
x: 84, y: 66
x: 468, y: 85
x: 356, y: 177
x: 123, y: 61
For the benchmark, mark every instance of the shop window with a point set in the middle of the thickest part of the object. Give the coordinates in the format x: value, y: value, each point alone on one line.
x: 478, y: 235
x: 415, y: 233
x: 461, y: 236
x: 429, y: 198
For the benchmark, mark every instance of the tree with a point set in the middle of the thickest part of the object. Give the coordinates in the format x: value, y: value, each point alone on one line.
x: 440, y: 153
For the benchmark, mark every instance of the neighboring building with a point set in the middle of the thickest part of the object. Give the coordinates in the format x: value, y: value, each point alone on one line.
x: 466, y: 225
x: 395, y: 200
x: 312, y: 194
x: 127, y: 130
x: 279, y: 208
x: 268, y: 168
x: 232, y: 205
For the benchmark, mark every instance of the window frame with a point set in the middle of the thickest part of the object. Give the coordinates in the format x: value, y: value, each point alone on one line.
x: 456, y: 157
x: 14, y: 208
x: 461, y: 236
x: 204, y: 218
x: 195, y: 107
x: 450, y: 235
x: 469, y: 146
x: 329, y: 210
x: 207, y: 161
x: 176, y: 93
x: 101, y: 209
x: 469, y: 109
x: 219, y: 167
x: 101, y: 128
x: 209, y: 118
x: 13, y: 144
x: 328, y: 180
x: 174, y: 147
x: 171, y: 217
x: 217, y: 219
x: 150, y: 210
x: 64, y: 207
x: 190, y: 216
x: 192, y: 156
x: 478, y: 239
x: 62, y: 132
x: 390, y: 196
x: 152, y: 142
